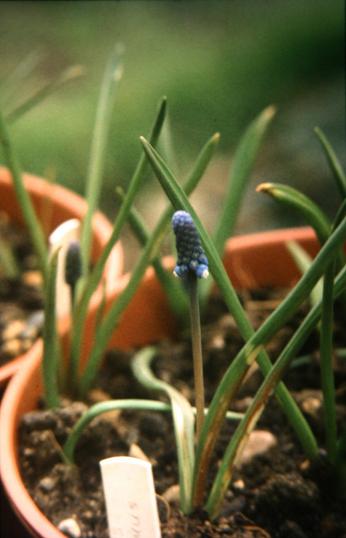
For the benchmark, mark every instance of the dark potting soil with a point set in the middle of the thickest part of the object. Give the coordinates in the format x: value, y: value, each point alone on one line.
x: 20, y: 297
x: 275, y: 491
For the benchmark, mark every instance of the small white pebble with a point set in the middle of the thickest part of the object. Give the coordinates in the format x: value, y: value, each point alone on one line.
x: 171, y: 495
x: 218, y: 342
x: 70, y: 528
x: 32, y: 278
x: 239, y: 484
x: 11, y: 347
x: 259, y: 442
x: 311, y: 405
x: 36, y: 319
x: 47, y: 484
x: 13, y: 330
x: 305, y: 465
x: 136, y: 452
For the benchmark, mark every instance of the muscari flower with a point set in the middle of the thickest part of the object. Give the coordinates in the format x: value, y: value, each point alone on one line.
x: 73, y: 263
x: 191, y: 256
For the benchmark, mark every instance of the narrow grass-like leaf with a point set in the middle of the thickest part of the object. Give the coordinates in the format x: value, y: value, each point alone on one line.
x: 28, y: 212
x: 110, y: 321
x: 326, y: 359
x: 303, y: 261
x: 183, y: 419
x: 8, y: 262
x: 341, y: 212
x: 326, y: 351
x: 167, y: 146
x: 96, y: 274
x: 104, y: 407
x: 257, y: 406
x: 50, y: 362
x: 333, y: 161
x: 179, y: 200
x: 115, y: 405
x: 44, y: 92
x: 242, y: 164
x: 109, y: 86
x: 176, y: 296
x: 12, y: 84
x: 235, y: 373
x: 101, y: 307
x: 303, y: 204
x: 340, y: 465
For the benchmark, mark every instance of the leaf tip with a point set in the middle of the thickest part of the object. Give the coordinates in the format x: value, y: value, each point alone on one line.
x: 269, y: 112
x: 216, y: 138
x: 74, y: 71
x: 264, y: 187
x: 163, y: 106
x: 119, y: 191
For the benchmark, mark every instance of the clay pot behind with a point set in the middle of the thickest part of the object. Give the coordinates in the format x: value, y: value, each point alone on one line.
x: 250, y: 260
x: 54, y: 204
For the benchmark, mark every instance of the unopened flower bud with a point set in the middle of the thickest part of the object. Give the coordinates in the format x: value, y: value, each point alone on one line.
x: 191, y: 256
x: 73, y: 263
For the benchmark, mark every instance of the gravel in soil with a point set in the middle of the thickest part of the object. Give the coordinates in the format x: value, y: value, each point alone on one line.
x: 21, y: 303
x: 275, y: 493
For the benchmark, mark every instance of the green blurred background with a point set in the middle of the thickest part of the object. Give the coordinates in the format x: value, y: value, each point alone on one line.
x: 219, y: 63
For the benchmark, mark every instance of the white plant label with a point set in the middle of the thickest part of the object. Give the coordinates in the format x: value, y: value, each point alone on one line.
x: 129, y: 491
x: 60, y: 238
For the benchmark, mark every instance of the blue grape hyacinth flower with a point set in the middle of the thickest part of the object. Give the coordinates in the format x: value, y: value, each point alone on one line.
x: 191, y: 256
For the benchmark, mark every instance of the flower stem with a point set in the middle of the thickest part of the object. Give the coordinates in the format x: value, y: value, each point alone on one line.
x: 196, y: 351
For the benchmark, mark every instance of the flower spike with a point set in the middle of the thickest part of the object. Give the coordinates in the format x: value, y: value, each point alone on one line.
x: 73, y: 264
x: 191, y: 256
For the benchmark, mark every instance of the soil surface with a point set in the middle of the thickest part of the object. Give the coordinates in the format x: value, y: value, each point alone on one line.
x: 21, y: 303
x: 275, y: 491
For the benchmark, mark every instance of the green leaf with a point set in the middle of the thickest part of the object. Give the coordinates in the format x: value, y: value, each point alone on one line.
x: 333, y: 161
x: 326, y: 361
x: 303, y: 261
x: 44, y: 92
x: 242, y: 164
x: 175, y: 294
x: 104, y: 407
x: 109, y: 86
x: 183, y: 419
x: 180, y: 201
x: 105, y: 329
x: 11, y: 85
x: 240, y: 364
x: 303, y: 204
x: 257, y: 406
x: 96, y: 273
x: 30, y: 218
x: 8, y: 263
x: 50, y: 362
x: 114, y: 405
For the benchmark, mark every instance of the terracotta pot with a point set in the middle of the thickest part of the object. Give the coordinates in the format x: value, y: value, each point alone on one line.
x: 55, y: 204
x: 250, y: 261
